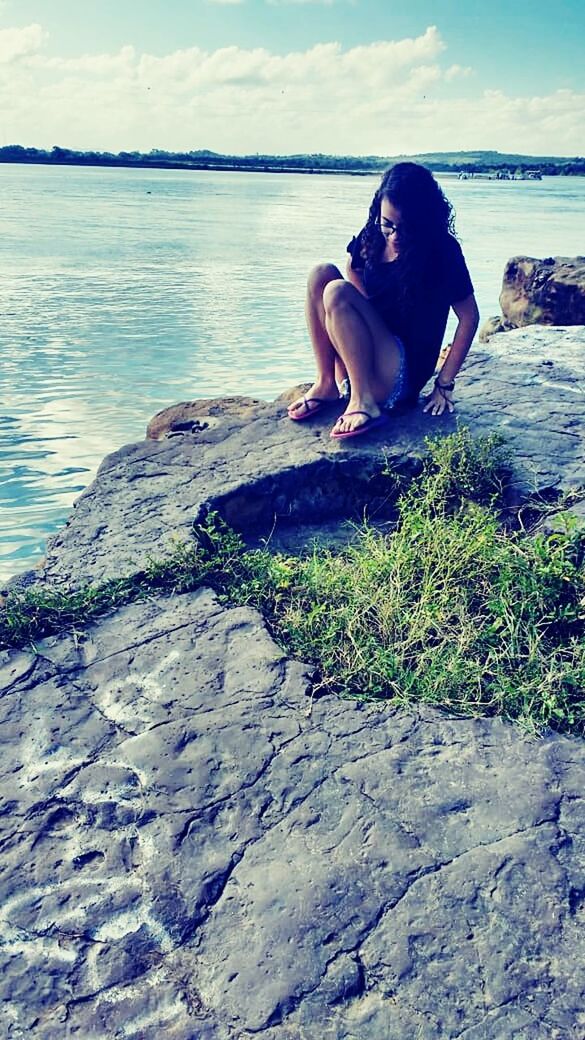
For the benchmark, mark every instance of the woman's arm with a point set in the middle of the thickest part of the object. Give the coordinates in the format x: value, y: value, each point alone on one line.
x: 468, y: 315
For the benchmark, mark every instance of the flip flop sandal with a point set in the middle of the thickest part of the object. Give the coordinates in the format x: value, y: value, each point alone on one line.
x: 320, y: 403
x: 372, y: 421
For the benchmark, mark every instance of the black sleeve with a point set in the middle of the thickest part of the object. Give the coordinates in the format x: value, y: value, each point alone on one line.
x: 354, y: 248
x: 458, y: 283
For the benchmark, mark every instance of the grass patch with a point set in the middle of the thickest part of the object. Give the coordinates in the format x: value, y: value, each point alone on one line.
x: 448, y: 609
x: 34, y: 613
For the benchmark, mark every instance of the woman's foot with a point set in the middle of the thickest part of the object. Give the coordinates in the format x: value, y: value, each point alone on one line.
x: 370, y: 423
x: 315, y: 398
x: 359, y: 412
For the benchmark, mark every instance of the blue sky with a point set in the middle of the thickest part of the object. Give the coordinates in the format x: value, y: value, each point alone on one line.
x: 354, y: 76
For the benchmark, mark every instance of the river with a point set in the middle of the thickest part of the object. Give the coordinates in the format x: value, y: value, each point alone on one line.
x: 123, y: 291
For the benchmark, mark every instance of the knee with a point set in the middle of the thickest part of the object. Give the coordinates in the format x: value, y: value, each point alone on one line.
x: 336, y: 294
x: 319, y: 277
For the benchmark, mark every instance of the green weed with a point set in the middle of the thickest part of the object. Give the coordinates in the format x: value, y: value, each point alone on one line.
x: 448, y: 609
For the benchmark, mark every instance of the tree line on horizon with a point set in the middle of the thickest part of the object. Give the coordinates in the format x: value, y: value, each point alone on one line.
x: 482, y: 162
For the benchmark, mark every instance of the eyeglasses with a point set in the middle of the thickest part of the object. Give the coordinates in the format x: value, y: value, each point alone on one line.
x: 388, y: 227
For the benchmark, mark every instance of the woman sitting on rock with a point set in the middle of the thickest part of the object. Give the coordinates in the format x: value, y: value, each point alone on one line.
x: 377, y: 335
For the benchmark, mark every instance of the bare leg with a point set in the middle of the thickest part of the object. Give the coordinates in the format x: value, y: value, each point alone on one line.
x: 329, y: 365
x: 360, y: 337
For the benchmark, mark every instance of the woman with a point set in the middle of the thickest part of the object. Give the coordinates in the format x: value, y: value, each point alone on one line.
x: 377, y: 335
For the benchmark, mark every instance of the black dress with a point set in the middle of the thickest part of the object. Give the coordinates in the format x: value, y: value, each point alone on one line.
x: 421, y: 320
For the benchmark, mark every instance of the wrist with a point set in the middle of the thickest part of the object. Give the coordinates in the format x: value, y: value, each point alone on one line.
x: 444, y: 385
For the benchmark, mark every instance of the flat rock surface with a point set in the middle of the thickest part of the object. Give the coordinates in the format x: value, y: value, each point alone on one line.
x: 195, y: 849
x: 261, y: 471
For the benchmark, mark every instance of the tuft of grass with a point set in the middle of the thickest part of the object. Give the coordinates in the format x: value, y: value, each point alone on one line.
x: 448, y: 609
x: 465, y: 467
x: 28, y: 616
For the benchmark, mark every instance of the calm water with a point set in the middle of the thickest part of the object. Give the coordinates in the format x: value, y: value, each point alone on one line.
x: 123, y: 291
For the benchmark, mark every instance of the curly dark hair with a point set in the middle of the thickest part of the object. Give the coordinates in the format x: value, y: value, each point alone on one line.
x: 426, y: 218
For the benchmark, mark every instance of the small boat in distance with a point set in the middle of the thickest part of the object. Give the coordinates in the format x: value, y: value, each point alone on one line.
x: 500, y: 175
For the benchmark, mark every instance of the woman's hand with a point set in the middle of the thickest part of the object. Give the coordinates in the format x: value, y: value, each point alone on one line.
x: 439, y: 401
x: 441, y: 398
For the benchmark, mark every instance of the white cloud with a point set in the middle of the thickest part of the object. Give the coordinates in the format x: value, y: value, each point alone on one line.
x: 19, y: 43
x: 90, y: 64
x: 457, y: 72
x: 383, y: 98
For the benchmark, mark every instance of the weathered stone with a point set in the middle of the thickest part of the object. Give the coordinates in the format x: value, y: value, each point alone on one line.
x: 491, y: 326
x: 196, y: 416
x: 540, y: 292
x: 194, y: 848
x: 270, y: 477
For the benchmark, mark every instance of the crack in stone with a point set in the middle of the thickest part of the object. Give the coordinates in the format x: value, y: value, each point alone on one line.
x: 282, y: 812
x: 354, y: 949
x: 22, y: 679
x: 51, y: 931
x: 438, y: 867
x: 199, y: 628
x: 184, y: 834
x: 292, y: 1002
x: 490, y: 1012
x: 117, y: 726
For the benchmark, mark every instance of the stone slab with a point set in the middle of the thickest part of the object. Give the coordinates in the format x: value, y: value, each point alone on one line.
x: 260, y: 470
x: 193, y: 848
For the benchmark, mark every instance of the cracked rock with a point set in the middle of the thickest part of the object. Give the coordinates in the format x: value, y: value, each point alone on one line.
x: 194, y: 848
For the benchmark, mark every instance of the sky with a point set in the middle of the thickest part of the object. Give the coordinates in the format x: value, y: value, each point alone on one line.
x: 356, y: 77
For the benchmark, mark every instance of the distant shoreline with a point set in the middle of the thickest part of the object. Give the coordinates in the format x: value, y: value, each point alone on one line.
x: 235, y: 168
x: 496, y: 164
x: 195, y: 168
